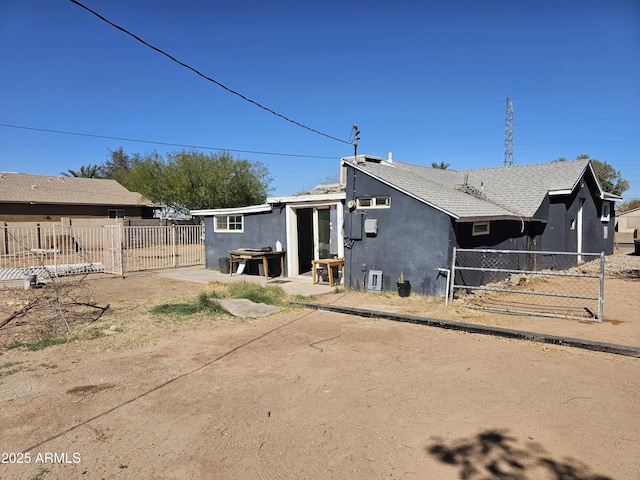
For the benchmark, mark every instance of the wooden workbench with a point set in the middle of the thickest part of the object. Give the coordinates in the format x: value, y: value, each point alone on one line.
x: 329, y: 262
x: 241, y: 255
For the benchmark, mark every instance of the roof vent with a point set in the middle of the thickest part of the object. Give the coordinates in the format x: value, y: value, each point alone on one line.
x: 373, y: 159
x: 390, y: 159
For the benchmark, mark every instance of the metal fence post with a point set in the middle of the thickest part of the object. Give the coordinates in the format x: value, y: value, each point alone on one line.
x: 453, y: 275
x: 173, y: 246
x: 55, y: 250
x: 601, y: 295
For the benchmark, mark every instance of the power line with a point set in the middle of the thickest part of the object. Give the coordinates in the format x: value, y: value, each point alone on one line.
x: 573, y: 143
x: 578, y: 120
x: 124, y: 139
x: 197, y: 72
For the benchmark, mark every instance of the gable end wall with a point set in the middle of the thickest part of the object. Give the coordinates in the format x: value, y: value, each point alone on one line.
x: 412, y: 237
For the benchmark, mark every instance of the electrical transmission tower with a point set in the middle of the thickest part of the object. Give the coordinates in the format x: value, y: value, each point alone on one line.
x: 508, y: 134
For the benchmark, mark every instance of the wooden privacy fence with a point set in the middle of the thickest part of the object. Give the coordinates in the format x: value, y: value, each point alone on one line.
x: 54, y: 250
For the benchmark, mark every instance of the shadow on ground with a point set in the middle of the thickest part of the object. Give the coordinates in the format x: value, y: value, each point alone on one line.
x: 494, y: 454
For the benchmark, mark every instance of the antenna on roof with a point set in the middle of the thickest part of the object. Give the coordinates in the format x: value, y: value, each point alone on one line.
x: 355, y: 133
x: 508, y: 134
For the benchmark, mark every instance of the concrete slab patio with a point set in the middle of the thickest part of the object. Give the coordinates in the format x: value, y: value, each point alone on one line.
x: 299, y: 285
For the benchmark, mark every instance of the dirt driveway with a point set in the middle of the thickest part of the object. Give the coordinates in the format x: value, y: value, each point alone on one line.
x: 314, y: 395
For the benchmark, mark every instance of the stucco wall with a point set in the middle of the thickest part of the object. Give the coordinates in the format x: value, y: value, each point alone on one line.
x: 260, y: 230
x: 629, y: 221
x: 560, y: 236
x: 412, y: 237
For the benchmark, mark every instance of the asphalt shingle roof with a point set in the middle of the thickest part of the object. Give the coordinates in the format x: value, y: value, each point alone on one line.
x: 515, y: 191
x: 26, y: 188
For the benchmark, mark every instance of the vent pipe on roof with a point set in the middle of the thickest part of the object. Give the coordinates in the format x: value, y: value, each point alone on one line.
x: 390, y: 159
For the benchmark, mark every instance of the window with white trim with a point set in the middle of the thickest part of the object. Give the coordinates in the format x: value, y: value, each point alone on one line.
x: 480, y: 228
x: 383, y: 201
x: 115, y: 213
x: 228, y: 223
x: 606, y: 211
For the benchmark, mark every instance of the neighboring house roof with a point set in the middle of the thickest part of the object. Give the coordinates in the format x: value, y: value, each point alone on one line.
x: 326, y: 188
x: 630, y: 213
x: 46, y: 189
x: 491, y: 193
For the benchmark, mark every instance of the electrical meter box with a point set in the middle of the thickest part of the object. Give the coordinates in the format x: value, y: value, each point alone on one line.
x: 356, y: 226
x: 371, y: 226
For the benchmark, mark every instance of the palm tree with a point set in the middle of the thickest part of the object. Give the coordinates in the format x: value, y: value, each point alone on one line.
x: 441, y: 165
x: 90, y: 171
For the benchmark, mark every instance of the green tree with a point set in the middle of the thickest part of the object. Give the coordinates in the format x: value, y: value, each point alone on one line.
x: 610, y: 179
x: 440, y: 166
x: 118, y: 165
x: 89, y: 171
x: 194, y: 180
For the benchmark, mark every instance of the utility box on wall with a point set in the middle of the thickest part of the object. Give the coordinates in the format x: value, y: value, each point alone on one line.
x: 371, y: 226
x: 356, y: 226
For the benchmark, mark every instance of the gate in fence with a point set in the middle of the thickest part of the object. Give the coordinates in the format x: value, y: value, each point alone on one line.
x: 153, y: 248
x: 551, y: 284
x: 55, y: 250
x: 112, y: 249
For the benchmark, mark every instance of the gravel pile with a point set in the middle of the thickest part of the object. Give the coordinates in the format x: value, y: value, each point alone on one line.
x: 622, y: 263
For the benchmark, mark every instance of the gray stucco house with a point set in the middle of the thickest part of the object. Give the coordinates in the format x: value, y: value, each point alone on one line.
x: 392, y: 216
x: 421, y: 213
x: 307, y: 225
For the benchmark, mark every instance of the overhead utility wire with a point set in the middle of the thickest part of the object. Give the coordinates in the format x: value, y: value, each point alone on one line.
x: 197, y: 72
x: 163, y: 143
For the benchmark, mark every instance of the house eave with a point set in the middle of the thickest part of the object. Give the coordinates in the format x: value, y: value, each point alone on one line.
x: 612, y: 197
x: 231, y: 211
x: 553, y: 193
x: 81, y: 204
x: 602, y: 195
x: 330, y: 197
x: 492, y: 218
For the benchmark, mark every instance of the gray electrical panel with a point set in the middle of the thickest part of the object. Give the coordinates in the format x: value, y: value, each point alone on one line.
x: 357, y: 219
x: 374, y: 285
x: 371, y: 226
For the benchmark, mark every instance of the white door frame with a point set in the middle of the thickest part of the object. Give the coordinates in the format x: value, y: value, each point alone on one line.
x: 291, y: 218
x: 579, y: 228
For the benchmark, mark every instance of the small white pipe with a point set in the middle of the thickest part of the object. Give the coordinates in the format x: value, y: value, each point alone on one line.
x: 446, y: 297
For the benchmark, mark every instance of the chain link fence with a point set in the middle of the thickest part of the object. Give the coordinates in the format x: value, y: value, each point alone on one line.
x: 551, y: 284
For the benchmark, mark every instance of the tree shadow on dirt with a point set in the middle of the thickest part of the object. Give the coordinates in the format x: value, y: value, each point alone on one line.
x: 494, y: 454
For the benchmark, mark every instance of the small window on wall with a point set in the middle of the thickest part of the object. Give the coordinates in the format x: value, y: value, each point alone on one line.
x: 480, y: 228
x: 116, y: 213
x: 228, y: 223
x: 606, y: 211
x: 374, y: 202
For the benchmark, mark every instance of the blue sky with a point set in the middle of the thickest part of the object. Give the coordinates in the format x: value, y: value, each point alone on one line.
x: 424, y: 80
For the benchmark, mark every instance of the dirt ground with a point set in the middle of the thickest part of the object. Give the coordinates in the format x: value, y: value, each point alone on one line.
x: 307, y: 394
